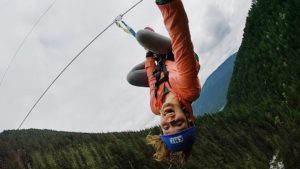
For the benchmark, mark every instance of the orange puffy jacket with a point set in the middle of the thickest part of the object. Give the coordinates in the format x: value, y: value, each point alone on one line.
x: 183, y: 71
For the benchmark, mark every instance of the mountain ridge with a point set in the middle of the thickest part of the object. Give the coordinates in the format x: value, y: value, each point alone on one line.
x: 214, y: 91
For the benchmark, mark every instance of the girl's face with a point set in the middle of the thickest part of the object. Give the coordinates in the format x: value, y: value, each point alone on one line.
x: 172, y: 117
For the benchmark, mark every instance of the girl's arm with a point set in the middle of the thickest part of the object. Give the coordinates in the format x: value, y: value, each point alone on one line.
x: 150, y: 66
x: 176, y: 23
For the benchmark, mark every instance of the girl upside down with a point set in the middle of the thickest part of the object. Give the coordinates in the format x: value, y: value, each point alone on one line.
x: 170, y: 71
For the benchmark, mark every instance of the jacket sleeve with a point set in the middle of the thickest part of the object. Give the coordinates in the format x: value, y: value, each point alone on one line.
x: 150, y: 67
x: 176, y: 23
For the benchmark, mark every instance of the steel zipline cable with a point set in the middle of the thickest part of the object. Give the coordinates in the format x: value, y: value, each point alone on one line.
x: 65, y: 68
x: 24, y: 40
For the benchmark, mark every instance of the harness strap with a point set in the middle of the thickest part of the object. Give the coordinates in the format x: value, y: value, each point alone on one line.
x: 127, y: 28
x: 132, y: 32
x: 161, y: 68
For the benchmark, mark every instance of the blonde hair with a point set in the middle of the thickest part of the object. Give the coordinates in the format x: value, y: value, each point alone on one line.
x: 163, y: 154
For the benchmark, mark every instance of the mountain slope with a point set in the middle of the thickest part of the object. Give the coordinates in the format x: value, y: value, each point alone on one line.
x: 267, y: 73
x: 214, y: 91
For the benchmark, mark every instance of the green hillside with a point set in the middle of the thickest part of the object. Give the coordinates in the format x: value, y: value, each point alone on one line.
x: 267, y: 69
x: 262, y: 117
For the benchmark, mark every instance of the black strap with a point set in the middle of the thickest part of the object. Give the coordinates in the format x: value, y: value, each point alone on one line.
x: 161, y: 67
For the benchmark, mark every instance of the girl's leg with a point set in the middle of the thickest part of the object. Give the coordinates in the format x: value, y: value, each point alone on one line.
x: 150, y: 41
x: 138, y: 76
x: 154, y: 42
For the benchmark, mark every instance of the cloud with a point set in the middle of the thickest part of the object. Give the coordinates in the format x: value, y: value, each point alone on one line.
x: 215, y: 28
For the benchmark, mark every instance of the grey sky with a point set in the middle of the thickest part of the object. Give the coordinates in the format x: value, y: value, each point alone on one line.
x: 93, y: 94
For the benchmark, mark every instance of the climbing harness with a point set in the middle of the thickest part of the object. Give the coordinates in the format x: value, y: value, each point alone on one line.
x: 161, y: 68
x: 159, y: 58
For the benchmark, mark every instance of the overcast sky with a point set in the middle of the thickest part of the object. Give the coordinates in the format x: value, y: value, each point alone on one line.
x: 93, y: 94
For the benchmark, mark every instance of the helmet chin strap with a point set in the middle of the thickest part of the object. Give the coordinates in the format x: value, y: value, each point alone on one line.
x: 190, y: 122
x: 187, y: 115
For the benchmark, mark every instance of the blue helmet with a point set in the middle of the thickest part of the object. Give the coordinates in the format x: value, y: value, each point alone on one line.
x: 180, y: 141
